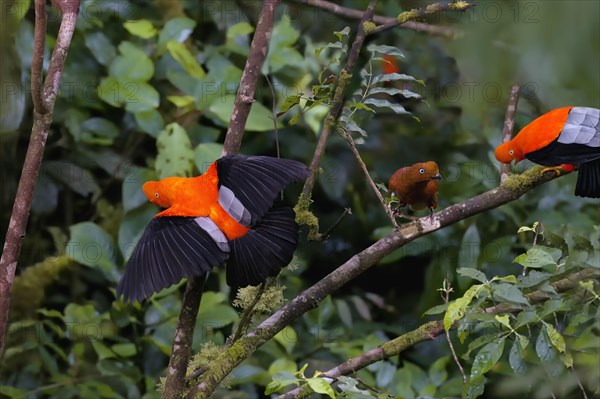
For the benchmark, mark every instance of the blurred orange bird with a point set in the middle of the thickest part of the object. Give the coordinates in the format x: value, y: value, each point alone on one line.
x: 416, y: 185
x: 561, y: 139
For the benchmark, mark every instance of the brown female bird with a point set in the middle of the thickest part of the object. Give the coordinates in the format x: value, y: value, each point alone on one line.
x: 417, y: 186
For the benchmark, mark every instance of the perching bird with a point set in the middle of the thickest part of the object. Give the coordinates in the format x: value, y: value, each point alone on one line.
x: 226, y: 215
x: 416, y: 185
x: 562, y: 138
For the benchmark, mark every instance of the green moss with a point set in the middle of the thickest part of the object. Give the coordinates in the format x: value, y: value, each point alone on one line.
x: 29, y: 287
x: 408, y: 15
x: 270, y: 300
x: 304, y: 217
x: 369, y: 26
x: 458, y: 5
x: 524, y: 180
x: 434, y: 8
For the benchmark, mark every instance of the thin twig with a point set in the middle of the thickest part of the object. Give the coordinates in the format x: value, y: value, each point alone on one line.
x: 417, y: 13
x: 42, y: 119
x: 579, y: 382
x: 274, y: 114
x: 359, y: 263
x: 386, y: 208
x: 509, y: 125
x: 347, y: 211
x: 446, y: 297
x: 352, y: 13
x: 336, y: 105
x: 245, y: 94
x: 427, y: 332
x: 248, y: 312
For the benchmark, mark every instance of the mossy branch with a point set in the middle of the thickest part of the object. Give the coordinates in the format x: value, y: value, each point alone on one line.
x: 429, y: 331
x: 511, y: 190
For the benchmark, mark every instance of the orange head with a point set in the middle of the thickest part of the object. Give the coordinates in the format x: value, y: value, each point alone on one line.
x: 161, y: 192
x: 406, y: 178
x: 509, y: 151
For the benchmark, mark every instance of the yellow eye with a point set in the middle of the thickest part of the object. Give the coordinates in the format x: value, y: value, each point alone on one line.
x: 156, y: 195
x: 511, y: 152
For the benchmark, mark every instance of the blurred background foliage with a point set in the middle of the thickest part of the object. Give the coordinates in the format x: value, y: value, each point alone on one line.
x: 147, y: 92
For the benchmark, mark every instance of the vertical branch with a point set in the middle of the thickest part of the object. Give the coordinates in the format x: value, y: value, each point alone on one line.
x: 245, y: 94
x: 175, y: 382
x: 509, y: 124
x: 42, y: 118
x: 337, y: 103
x: 184, y: 335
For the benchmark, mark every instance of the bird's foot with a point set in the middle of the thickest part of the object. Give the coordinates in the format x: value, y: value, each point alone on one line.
x: 565, y: 167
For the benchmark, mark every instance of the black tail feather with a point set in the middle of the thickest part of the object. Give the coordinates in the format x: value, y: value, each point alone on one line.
x: 588, y: 180
x: 261, y: 253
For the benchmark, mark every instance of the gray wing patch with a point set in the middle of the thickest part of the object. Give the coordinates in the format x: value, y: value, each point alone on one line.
x: 233, y: 206
x: 215, y: 233
x: 582, y: 127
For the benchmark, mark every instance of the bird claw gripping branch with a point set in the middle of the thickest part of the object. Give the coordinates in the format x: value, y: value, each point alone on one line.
x: 416, y: 186
x: 224, y: 216
x: 568, y: 137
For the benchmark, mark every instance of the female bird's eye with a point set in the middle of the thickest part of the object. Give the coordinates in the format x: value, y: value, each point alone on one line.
x: 421, y: 171
x: 511, y: 152
x: 156, y: 195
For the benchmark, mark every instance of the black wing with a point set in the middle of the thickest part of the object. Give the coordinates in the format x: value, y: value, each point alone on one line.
x: 256, y: 180
x: 170, y: 249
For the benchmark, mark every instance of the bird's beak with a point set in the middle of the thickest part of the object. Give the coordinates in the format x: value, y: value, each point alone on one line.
x: 437, y: 176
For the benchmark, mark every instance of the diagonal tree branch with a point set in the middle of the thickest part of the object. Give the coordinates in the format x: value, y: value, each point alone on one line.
x: 509, y: 125
x: 509, y: 191
x: 182, y: 344
x: 245, y: 94
x: 430, y: 331
x: 336, y: 106
x: 42, y: 118
x: 417, y: 13
x: 352, y: 13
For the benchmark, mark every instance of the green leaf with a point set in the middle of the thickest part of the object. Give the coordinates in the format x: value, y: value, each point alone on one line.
x: 393, y: 77
x: 474, y: 387
x: 281, y: 379
x: 133, y: 65
x: 342, y: 34
x: 543, y: 348
x: 397, y: 108
x: 436, y: 310
x: 472, y: 273
x: 133, y: 196
x: 100, y: 127
x: 182, y: 101
x: 75, y: 177
x: 260, y: 119
x: 526, y: 316
x: 12, y: 392
x: 289, y: 102
x: 175, y: 154
x: 456, y: 310
x: 533, y: 278
x: 504, y: 320
x: 537, y: 257
x: 470, y: 248
x: 393, y: 91
x: 100, y: 46
x: 383, y: 49
x: 239, y: 29
x: 515, y: 358
x: 437, y: 372
x: 509, y: 293
x: 556, y: 339
x: 350, y: 125
x: 567, y: 359
x: 150, y: 121
x: 91, y: 246
x: 141, y: 28
x: 142, y: 97
x: 320, y: 385
x: 287, y: 338
x: 183, y: 56
x: 487, y: 357
x: 281, y: 53
x: 343, y: 312
x: 207, y: 153
x: 124, y: 349
x: 178, y: 29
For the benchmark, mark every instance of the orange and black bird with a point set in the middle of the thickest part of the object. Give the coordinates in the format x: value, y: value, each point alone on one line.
x: 224, y: 216
x: 416, y: 185
x: 564, y: 138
